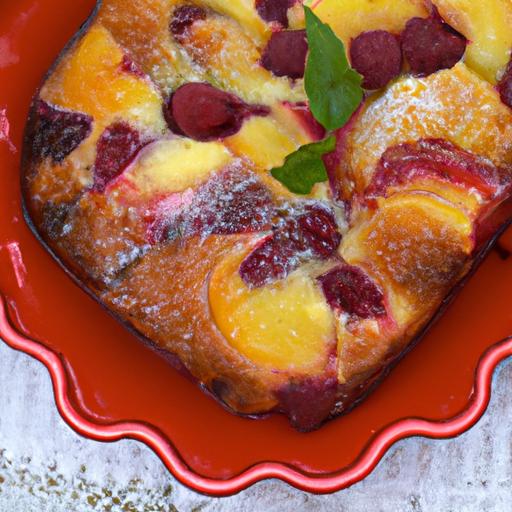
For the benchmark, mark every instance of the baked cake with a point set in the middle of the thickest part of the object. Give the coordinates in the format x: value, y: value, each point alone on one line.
x: 148, y: 173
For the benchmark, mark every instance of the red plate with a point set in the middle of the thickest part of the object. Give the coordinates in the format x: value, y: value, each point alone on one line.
x: 109, y: 386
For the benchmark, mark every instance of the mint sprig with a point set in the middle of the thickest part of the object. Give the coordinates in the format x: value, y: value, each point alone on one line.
x: 332, y: 86
x: 304, y: 168
x: 334, y: 92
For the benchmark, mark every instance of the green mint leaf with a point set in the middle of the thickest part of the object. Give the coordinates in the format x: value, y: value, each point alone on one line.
x: 333, y: 87
x: 305, y: 167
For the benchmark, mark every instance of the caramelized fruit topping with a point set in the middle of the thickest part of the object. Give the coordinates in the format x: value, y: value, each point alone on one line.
x: 58, y: 132
x: 350, y: 290
x: 116, y: 148
x: 312, y: 234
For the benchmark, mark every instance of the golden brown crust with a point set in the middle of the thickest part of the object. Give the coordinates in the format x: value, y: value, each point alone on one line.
x: 146, y: 237
x: 165, y: 296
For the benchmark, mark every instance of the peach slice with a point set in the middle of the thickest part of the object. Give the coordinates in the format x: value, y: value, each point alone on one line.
x: 287, y: 325
x: 64, y: 182
x: 456, y: 195
x: 91, y: 81
x: 267, y: 141
x: 361, y: 347
x: 438, y: 166
x: 416, y: 108
x: 415, y: 241
x: 142, y: 27
x: 349, y: 18
x: 487, y: 26
x: 244, y: 13
x: 174, y: 165
x: 299, y: 122
x: 263, y: 141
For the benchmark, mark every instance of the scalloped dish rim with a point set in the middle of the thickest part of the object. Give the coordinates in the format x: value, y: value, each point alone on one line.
x: 366, y: 462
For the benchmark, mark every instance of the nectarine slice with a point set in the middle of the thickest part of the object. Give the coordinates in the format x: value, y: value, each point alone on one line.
x: 91, y: 81
x: 173, y: 165
x: 455, y: 105
x: 286, y: 325
x: 232, y: 59
x: 487, y: 27
x: 416, y: 242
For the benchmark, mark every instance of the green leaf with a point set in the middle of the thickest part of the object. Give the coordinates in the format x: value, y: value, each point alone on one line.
x: 333, y: 87
x: 305, y: 167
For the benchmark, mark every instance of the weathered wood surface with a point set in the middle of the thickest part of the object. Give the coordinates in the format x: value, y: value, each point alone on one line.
x: 45, y: 467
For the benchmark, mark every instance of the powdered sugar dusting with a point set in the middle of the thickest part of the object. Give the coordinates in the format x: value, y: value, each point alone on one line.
x: 454, y: 105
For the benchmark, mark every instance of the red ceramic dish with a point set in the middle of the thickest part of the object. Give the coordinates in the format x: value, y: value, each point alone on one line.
x: 108, y: 385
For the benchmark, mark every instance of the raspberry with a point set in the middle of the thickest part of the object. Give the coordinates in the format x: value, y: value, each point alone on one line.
x: 351, y: 290
x: 184, y: 17
x: 275, y: 10
x: 377, y: 56
x: 430, y: 45
x: 285, y: 54
x: 312, y: 234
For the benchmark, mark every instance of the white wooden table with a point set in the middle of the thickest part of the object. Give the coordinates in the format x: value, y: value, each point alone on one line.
x: 46, y: 467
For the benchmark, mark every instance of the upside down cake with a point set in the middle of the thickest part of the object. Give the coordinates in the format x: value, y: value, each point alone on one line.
x: 147, y: 173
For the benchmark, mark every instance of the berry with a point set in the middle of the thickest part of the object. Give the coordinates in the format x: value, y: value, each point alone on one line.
x: 204, y: 113
x: 377, y: 56
x: 116, y: 148
x: 285, y: 54
x: 274, y: 10
x: 58, y: 132
x: 183, y: 18
x: 311, y: 234
x: 351, y: 290
x: 430, y: 45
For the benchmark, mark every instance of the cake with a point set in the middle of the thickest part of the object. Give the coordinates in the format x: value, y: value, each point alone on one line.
x: 149, y: 173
